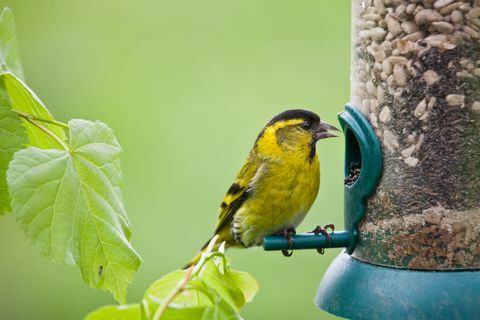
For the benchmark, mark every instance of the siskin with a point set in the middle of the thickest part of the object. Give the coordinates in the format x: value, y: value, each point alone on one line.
x: 278, y: 183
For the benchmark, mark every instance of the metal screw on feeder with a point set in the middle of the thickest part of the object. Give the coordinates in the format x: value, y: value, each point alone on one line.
x: 413, y: 248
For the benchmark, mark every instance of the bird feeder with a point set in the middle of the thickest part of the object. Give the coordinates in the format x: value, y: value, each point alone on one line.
x: 412, y: 130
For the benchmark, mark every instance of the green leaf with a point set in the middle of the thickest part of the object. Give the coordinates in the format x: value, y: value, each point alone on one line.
x: 9, y: 58
x: 219, y: 308
x: 195, y: 302
x: 122, y: 312
x: 12, y: 138
x: 235, y: 287
x: 219, y: 290
x: 192, y: 299
x: 245, y: 282
x: 220, y: 311
x: 70, y: 205
x: 162, y: 287
x: 217, y: 278
x: 210, y: 291
x: 179, y: 313
x: 24, y: 99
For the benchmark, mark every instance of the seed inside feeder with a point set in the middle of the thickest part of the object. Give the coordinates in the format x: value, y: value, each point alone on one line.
x: 416, y: 76
x: 353, y: 174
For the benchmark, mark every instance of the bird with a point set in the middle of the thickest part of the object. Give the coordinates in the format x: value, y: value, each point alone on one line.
x: 276, y: 185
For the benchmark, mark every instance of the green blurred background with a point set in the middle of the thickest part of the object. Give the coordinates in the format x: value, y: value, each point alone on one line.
x: 186, y: 86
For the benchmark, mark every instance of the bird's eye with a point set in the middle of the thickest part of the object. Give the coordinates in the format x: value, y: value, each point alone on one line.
x: 306, y: 125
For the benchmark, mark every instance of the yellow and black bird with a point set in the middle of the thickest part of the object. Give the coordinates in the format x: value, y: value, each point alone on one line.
x: 278, y: 183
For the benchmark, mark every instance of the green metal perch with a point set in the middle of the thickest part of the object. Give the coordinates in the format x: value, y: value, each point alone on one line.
x: 339, y: 239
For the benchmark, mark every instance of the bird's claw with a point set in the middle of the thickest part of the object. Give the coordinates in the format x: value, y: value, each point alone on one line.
x: 329, y: 226
x: 319, y: 230
x: 287, y: 234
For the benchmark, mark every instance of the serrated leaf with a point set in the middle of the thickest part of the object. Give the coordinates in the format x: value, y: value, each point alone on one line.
x: 24, y: 99
x: 69, y: 203
x: 9, y: 57
x: 12, y: 138
x: 122, y: 312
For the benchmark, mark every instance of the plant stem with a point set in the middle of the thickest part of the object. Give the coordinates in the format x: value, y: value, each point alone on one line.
x: 48, y: 132
x: 161, y: 309
x: 34, y: 120
x: 191, y: 271
x: 32, y: 117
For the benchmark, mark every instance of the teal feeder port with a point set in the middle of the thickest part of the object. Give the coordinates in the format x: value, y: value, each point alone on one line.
x: 363, y: 153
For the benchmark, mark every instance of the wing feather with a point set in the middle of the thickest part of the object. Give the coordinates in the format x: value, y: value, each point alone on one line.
x: 239, y: 192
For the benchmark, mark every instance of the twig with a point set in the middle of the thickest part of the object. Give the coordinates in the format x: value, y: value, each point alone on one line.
x: 49, y: 133
x: 181, y: 285
x: 33, y: 117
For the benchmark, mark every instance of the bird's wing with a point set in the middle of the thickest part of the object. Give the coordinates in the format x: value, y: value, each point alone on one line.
x: 239, y: 191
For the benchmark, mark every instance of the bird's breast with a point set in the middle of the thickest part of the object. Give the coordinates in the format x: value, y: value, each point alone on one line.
x: 281, y: 198
x: 292, y: 186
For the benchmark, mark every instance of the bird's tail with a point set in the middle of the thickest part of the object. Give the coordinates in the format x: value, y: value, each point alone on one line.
x: 197, y: 257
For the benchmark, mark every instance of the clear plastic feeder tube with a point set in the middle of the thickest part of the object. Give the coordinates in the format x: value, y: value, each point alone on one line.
x: 416, y: 76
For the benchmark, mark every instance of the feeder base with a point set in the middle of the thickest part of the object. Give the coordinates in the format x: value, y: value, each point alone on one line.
x: 357, y: 290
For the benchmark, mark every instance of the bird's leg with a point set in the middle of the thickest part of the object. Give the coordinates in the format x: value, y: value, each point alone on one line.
x: 287, y: 234
x: 323, y: 231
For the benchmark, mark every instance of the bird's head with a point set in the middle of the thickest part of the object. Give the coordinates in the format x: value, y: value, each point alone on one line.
x: 294, y: 131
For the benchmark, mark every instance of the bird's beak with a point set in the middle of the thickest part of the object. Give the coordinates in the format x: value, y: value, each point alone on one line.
x: 323, y: 131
